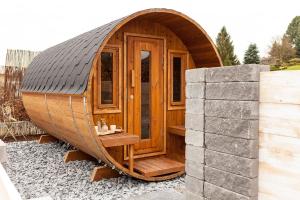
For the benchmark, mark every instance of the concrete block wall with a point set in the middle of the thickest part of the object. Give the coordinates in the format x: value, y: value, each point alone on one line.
x: 222, y: 112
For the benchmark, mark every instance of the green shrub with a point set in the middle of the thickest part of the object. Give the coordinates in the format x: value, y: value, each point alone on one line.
x: 294, y: 61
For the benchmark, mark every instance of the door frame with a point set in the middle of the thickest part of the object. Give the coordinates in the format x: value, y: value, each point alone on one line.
x: 125, y: 73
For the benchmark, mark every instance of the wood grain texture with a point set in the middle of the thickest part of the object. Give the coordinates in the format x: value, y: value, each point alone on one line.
x: 280, y: 119
x: 279, y: 136
x: 280, y: 87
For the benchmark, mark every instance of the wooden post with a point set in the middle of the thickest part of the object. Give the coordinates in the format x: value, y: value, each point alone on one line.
x: 103, y: 172
x: 74, y: 155
x: 44, y: 139
x: 131, y: 153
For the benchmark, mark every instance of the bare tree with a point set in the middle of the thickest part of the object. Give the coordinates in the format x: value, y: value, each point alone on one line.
x: 282, y: 51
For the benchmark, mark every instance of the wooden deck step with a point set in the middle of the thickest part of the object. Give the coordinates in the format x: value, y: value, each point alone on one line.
x: 156, y: 166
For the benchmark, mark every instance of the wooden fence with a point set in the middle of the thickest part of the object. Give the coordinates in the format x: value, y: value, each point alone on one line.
x: 20, y: 128
x: 12, y: 82
x: 279, y: 131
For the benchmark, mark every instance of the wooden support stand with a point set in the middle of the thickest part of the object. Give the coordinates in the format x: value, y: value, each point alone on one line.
x: 103, y: 172
x: 74, y: 155
x: 44, y: 139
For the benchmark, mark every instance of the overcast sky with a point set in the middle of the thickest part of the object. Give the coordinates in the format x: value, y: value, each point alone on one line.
x: 38, y: 24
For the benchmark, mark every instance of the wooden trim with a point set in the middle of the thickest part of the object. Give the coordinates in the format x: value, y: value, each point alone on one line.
x: 43, y: 93
x: 126, y: 34
x: 171, y: 54
x: 116, y: 106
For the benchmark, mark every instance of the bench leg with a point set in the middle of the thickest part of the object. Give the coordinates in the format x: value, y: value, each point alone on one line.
x: 131, y: 153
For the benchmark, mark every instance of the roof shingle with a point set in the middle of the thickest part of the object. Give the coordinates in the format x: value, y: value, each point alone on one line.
x: 65, y: 68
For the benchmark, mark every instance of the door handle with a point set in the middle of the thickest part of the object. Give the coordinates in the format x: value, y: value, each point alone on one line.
x: 132, y: 78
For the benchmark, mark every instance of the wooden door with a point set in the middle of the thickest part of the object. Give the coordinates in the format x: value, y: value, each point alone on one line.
x: 145, y: 77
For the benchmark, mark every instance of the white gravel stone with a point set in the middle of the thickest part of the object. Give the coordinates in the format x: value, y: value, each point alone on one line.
x: 38, y: 170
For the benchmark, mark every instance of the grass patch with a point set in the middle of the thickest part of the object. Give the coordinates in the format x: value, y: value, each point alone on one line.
x: 294, y: 67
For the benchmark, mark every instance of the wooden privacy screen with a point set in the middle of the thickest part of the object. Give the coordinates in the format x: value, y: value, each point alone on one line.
x: 279, y: 147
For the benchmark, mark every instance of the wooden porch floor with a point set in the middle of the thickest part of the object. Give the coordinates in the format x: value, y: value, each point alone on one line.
x: 157, y: 166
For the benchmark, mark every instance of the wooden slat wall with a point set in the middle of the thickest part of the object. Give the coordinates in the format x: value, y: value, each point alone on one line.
x: 65, y: 118
x: 279, y: 147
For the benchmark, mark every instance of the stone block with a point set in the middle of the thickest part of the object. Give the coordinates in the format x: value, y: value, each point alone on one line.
x: 232, y: 182
x: 237, y: 165
x: 247, y: 129
x: 233, y: 91
x: 195, y: 138
x: 194, y: 106
x: 213, y: 192
x: 232, y: 109
x: 3, y: 154
x: 194, y: 169
x: 235, y: 146
x: 195, y: 154
x: 195, y: 75
x: 194, y: 185
x: 194, y: 121
x: 240, y: 73
x: 195, y: 90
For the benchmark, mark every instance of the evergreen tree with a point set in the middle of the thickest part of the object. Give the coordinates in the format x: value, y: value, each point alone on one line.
x: 293, y: 32
x: 297, y: 46
x: 226, y: 49
x: 251, y: 55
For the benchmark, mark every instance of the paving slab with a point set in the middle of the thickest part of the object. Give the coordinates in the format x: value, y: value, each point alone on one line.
x: 160, y: 195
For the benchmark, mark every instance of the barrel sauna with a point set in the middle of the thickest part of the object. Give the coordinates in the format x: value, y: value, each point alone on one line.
x: 131, y: 73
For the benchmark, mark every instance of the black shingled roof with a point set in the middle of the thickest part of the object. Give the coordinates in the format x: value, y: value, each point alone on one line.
x: 65, y: 68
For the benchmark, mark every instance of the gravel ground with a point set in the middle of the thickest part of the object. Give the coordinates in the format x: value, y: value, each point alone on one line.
x: 38, y: 170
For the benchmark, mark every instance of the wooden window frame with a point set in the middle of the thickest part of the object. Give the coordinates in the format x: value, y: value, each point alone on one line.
x: 184, y: 65
x: 115, y: 107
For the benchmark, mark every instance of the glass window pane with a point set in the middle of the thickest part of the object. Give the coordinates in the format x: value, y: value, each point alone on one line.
x: 145, y: 94
x: 106, y: 78
x: 176, y: 79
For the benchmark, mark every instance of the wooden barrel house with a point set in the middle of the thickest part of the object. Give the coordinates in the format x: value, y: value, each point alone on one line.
x: 131, y: 73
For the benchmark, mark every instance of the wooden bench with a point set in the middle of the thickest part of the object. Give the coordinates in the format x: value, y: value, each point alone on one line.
x: 176, y: 130
x: 120, y: 139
